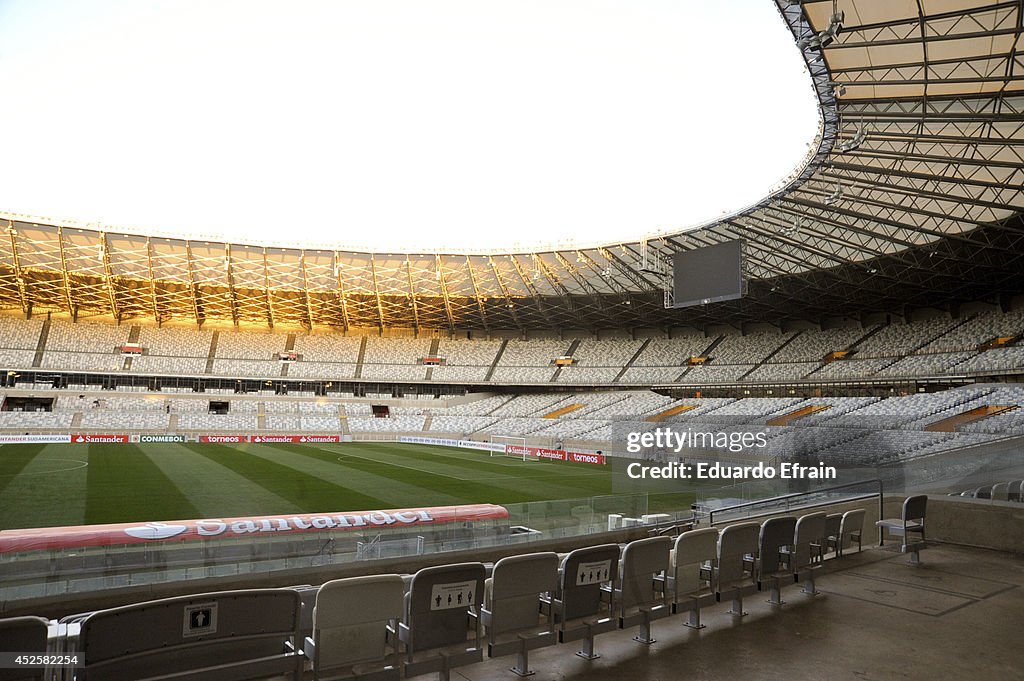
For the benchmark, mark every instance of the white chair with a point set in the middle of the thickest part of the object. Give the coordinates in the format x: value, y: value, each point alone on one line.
x: 350, y: 621
x: 808, y: 543
x: 734, y: 575
x: 511, y: 610
x: 437, y: 630
x: 691, y: 564
x: 580, y: 610
x: 1001, y: 491
x: 638, y: 600
x: 851, y: 529
x: 911, y: 521
x: 774, y: 555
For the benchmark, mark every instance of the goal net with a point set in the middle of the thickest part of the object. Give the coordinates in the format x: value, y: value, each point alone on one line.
x: 515, y: 447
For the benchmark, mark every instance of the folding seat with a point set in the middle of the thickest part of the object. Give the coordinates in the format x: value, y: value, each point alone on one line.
x: 808, y: 540
x: 637, y: 600
x: 511, y: 612
x: 350, y: 626
x: 734, y: 575
x: 833, y: 527
x: 436, y: 627
x: 691, y: 564
x: 851, y: 529
x: 911, y: 521
x: 23, y: 635
x: 579, y: 605
x: 774, y: 556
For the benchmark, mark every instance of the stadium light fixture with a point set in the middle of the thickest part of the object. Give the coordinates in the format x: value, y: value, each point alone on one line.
x: 858, y: 138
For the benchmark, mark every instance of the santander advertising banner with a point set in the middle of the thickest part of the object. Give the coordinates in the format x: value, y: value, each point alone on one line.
x: 87, y: 438
x: 81, y: 536
x: 556, y: 454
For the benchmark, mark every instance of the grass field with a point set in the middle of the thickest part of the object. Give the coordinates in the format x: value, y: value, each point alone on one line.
x: 61, y: 484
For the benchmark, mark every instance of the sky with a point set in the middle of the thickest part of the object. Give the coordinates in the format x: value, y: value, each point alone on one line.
x: 398, y: 125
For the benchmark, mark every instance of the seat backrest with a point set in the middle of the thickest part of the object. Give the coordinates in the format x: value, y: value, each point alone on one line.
x: 24, y: 635
x: 810, y: 529
x: 694, y: 549
x: 1001, y: 491
x: 582, y: 573
x: 350, y: 618
x: 514, y: 597
x: 641, y: 560
x: 914, y: 508
x: 833, y: 524
x: 853, y: 522
x: 176, y: 635
x: 735, y: 542
x: 775, y: 534
x: 439, y: 598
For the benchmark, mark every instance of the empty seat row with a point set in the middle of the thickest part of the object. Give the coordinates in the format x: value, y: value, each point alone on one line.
x: 383, y: 627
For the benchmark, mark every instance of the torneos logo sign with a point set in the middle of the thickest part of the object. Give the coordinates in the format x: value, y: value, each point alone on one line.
x: 586, y: 458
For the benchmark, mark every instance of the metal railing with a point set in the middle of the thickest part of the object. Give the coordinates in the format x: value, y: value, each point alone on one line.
x: 822, y: 496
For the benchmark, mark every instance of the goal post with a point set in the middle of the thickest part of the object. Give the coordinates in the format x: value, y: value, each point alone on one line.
x: 507, y: 440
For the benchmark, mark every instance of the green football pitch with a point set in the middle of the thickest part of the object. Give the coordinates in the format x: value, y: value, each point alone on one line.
x: 73, y: 484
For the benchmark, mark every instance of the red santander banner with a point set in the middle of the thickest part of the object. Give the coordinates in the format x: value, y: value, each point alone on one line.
x: 556, y: 454
x: 295, y: 438
x: 81, y: 536
x: 92, y: 437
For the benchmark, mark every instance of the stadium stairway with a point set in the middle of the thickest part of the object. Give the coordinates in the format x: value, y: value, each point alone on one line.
x: 44, y: 333
x: 343, y: 418
x: 678, y: 409
x: 706, y: 353
x: 562, y: 411
x: 851, y: 348
x: 787, y: 419
x: 212, y: 353
x: 770, y: 355
x: 497, y: 358
x: 928, y: 341
x: 428, y: 420
x: 359, y: 359
x: 632, y: 359
x: 568, y: 353
x: 950, y: 424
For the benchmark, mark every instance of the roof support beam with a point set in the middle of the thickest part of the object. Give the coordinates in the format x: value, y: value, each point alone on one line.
x: 229, y: 275
x: 64, y: 270
x: 19, y: 276
x: 476, y: 293
x: 152, y: 281
x: 376, y: 293
x: 439, y: 269
x: 192, y: 287
x: 342, y: 295
x: 305, y: 291
x: 108, y: 277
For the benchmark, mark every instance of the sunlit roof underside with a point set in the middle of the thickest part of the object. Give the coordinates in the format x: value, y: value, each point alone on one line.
x: 929, y: 211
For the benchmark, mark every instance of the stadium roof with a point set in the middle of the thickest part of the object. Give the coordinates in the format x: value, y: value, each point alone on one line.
x: 912, y: 196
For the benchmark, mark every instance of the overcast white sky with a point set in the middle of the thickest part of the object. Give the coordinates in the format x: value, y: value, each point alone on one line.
x: 397, y: 124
